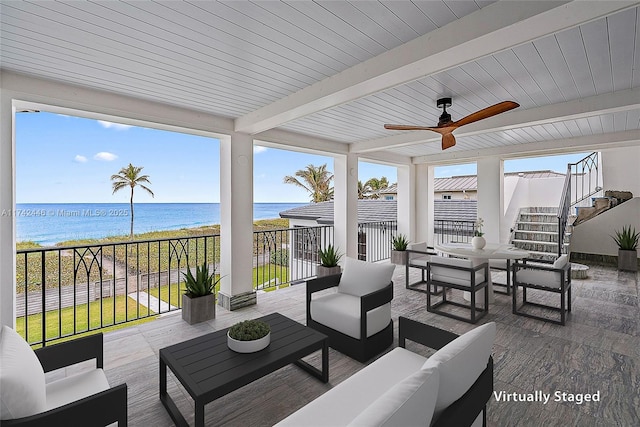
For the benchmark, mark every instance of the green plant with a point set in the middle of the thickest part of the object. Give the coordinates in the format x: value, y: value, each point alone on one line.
x: 249, y: 330
x: 329, y: 256
x: 280, y: 257
x: 202, y: 284
x: 400, y: 242
x: 627, y: 239
x: 478, y: 227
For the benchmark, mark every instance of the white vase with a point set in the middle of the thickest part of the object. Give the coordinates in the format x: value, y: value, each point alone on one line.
x: 248, y: 346
x: 478, y: 242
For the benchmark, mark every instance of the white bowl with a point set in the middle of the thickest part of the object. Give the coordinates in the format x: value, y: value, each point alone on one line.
x: 248, y: 346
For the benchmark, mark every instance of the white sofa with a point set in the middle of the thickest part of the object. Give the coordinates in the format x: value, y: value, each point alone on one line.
x: 403, y: 388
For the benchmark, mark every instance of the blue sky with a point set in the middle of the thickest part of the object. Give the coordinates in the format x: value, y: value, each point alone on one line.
x: 64, y: 159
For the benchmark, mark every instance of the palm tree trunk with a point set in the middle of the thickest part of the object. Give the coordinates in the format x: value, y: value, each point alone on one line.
x: 131, y: 203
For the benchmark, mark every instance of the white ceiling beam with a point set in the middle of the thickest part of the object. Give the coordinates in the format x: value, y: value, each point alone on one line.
x: 586, y: 107
x: 499, y: 26
x: 57, y: 97
x: 287, y: 140
x: 538, y: 149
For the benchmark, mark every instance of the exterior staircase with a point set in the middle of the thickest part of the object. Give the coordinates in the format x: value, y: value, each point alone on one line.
x: 536, y: 231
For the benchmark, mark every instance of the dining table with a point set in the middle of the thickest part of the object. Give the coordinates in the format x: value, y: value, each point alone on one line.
x: 480, y: 256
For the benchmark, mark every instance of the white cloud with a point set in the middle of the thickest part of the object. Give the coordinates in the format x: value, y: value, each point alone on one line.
x: 257, y: 149
x: 116, y: 126
x: 105, y: 156
x: 80, y: 159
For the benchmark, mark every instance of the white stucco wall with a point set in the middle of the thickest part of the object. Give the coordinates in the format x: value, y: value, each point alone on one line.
x: 594, y: 236
x: 621, y: 169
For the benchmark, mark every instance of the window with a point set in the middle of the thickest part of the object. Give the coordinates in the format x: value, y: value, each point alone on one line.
x: 446, y: 196
x: 306, y: 243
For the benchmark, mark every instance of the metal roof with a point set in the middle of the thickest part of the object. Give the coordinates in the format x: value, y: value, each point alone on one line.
x: 383, y: 210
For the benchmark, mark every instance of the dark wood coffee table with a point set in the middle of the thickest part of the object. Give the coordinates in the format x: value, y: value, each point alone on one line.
x: 207, y: 369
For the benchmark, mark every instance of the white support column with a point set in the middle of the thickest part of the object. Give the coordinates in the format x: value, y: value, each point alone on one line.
x: 345, y: 205
x: 407, y: 201
x: 7, y: 206
x: 236, y: 222
x: 424, y: 203
x: 491, y: 196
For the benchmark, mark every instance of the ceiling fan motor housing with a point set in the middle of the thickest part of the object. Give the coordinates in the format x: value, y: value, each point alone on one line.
x: 444, y: 117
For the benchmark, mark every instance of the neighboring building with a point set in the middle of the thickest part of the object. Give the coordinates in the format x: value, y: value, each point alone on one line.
x: 465, y: 187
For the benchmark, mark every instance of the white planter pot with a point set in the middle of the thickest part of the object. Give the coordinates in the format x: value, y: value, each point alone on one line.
x: 478, y: 242
x: 248, y: 346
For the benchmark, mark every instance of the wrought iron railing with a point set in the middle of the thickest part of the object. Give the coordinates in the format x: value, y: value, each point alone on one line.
x: 447, y: 231
x: 374, y: 240
x: 582, y: 181
x: 65, y: 291
x: 287, y: 256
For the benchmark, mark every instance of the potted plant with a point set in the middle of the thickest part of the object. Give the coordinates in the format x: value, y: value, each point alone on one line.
x: 627, y: 241
x: 398, y: 247
x: 249, y: 336
x: 478, y: 242
x: 329, y: 259
x: 199, y: 299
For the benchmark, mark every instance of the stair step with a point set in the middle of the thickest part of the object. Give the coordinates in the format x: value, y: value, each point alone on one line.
x: 550, y: 256
x: 535, y: 242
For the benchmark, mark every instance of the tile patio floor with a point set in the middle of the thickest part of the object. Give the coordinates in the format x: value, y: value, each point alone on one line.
x: 597, y: 351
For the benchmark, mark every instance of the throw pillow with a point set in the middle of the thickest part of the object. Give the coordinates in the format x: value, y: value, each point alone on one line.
x: 22, y: 382
x: 460, y: 363
x: 360, y: 277
x: 408, y: 403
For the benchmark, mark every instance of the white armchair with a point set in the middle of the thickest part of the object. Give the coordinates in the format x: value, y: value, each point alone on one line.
x: 554, y: 277
x: 83, y: 399
x: 455, y: 273
x: 357, y: 316
x: 418, y: 256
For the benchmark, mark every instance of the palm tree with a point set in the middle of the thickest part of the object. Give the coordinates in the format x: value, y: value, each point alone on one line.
x: 363, y: 190
x: 316, y: 180
x: 130, y: 177
x: 376, y: 185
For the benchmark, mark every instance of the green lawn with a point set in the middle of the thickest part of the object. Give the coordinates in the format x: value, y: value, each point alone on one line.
x: 172, y: 294
x: 86, y: 319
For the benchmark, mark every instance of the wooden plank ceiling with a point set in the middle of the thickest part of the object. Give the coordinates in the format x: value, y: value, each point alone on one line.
x: 234, y: 58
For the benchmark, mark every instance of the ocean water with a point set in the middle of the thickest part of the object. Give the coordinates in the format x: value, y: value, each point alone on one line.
x: 47, y: 223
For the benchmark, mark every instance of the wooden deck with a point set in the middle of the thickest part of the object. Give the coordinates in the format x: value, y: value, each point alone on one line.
x: 598, y: 351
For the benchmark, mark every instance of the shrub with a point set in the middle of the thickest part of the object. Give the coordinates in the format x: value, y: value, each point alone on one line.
x: 202, y: 284
x: 400, y: 242
x: 329, y: 256
x: 280, y: 257
x: 249, y: 330
x: 627, y: 239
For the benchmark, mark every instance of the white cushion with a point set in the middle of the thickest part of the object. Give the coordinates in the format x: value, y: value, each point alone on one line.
x: 342, y: 312
x: 450, y: 275
x: 75, y: 387
x: 561, y: 261
x: 22, y: 380
x: 419, y: 260
x: 460, y: 364
x: 550, y: 279
x: 344, y: 402
x: 408, y: 403
x: 361, y: 277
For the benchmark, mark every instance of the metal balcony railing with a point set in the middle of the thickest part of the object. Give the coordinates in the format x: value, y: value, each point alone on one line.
x: 66, y: 291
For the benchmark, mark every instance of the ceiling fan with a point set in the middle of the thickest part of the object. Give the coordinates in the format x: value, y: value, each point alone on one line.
x: 446, y: 126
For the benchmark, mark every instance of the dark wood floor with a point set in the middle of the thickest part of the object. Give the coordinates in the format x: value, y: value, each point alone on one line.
x: 598, y: 351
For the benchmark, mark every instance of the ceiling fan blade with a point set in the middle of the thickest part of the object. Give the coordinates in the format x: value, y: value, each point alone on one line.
x: 485, y: 113
x: 407, y: 127
x: 448, y: 141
